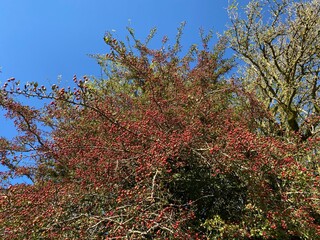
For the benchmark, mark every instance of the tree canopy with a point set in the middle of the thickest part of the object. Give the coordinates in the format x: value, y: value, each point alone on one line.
x: 167, y: 146
x: 282, y: 56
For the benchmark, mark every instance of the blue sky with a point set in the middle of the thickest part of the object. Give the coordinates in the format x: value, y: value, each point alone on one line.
x: 41, y: 40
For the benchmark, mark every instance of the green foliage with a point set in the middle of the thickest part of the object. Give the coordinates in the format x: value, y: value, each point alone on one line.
x: 278, y: 39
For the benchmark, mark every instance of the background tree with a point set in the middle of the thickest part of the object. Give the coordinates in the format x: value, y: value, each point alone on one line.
x: 279, y: 42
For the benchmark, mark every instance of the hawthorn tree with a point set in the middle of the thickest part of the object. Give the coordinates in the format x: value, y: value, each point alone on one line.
x: 163, y: 147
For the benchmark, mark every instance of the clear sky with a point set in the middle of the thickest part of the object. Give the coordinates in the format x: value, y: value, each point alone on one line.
x: 43, y: 39
x: 40, y: 40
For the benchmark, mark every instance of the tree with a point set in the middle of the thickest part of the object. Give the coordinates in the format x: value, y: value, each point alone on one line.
x: 279, y: 41
x: 164, y: 147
